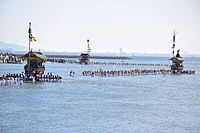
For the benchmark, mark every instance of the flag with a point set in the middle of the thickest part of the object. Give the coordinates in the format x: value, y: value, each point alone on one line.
x: 32, y: 38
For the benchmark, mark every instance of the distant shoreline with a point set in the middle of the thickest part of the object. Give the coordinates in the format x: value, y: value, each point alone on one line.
x: 91, y: 57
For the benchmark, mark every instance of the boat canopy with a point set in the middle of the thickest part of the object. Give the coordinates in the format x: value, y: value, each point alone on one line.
x: 175, y: 59
x: 36, y: 56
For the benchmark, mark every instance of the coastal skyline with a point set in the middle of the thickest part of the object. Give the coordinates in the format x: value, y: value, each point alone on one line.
x: 131, y: 26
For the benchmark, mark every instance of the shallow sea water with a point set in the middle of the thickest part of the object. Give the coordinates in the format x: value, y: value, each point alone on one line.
x: 139, y: 104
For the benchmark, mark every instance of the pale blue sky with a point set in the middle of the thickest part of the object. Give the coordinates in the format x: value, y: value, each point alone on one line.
x: 133, y: 25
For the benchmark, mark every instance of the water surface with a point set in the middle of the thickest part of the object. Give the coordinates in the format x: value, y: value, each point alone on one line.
x: 151, y: 103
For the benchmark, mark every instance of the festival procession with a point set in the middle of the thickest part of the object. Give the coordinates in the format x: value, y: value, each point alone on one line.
x: 100, y: 66
x: 34, y: 69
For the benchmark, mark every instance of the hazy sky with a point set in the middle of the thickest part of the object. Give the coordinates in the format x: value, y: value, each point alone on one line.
x: 133, y: 25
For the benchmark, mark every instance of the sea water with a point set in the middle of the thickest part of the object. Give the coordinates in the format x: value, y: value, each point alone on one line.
x: 80, y: 104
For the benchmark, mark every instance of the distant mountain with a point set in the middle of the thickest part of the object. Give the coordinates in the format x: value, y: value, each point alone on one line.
x: 8, y: 47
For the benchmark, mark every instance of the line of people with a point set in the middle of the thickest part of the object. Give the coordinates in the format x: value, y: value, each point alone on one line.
x: 122, y: 72
x: 9, y: 79
x: 131, y: 72
x: 49, y: 77
x: 187, y: 72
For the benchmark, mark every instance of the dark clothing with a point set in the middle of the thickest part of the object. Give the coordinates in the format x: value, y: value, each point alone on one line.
x: 178, y: 55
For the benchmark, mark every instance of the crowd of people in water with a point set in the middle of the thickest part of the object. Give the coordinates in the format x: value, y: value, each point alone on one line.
x: 131, y: 72
x: 14, y: 78
x: 50, y: 77
x: 9, y: 79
